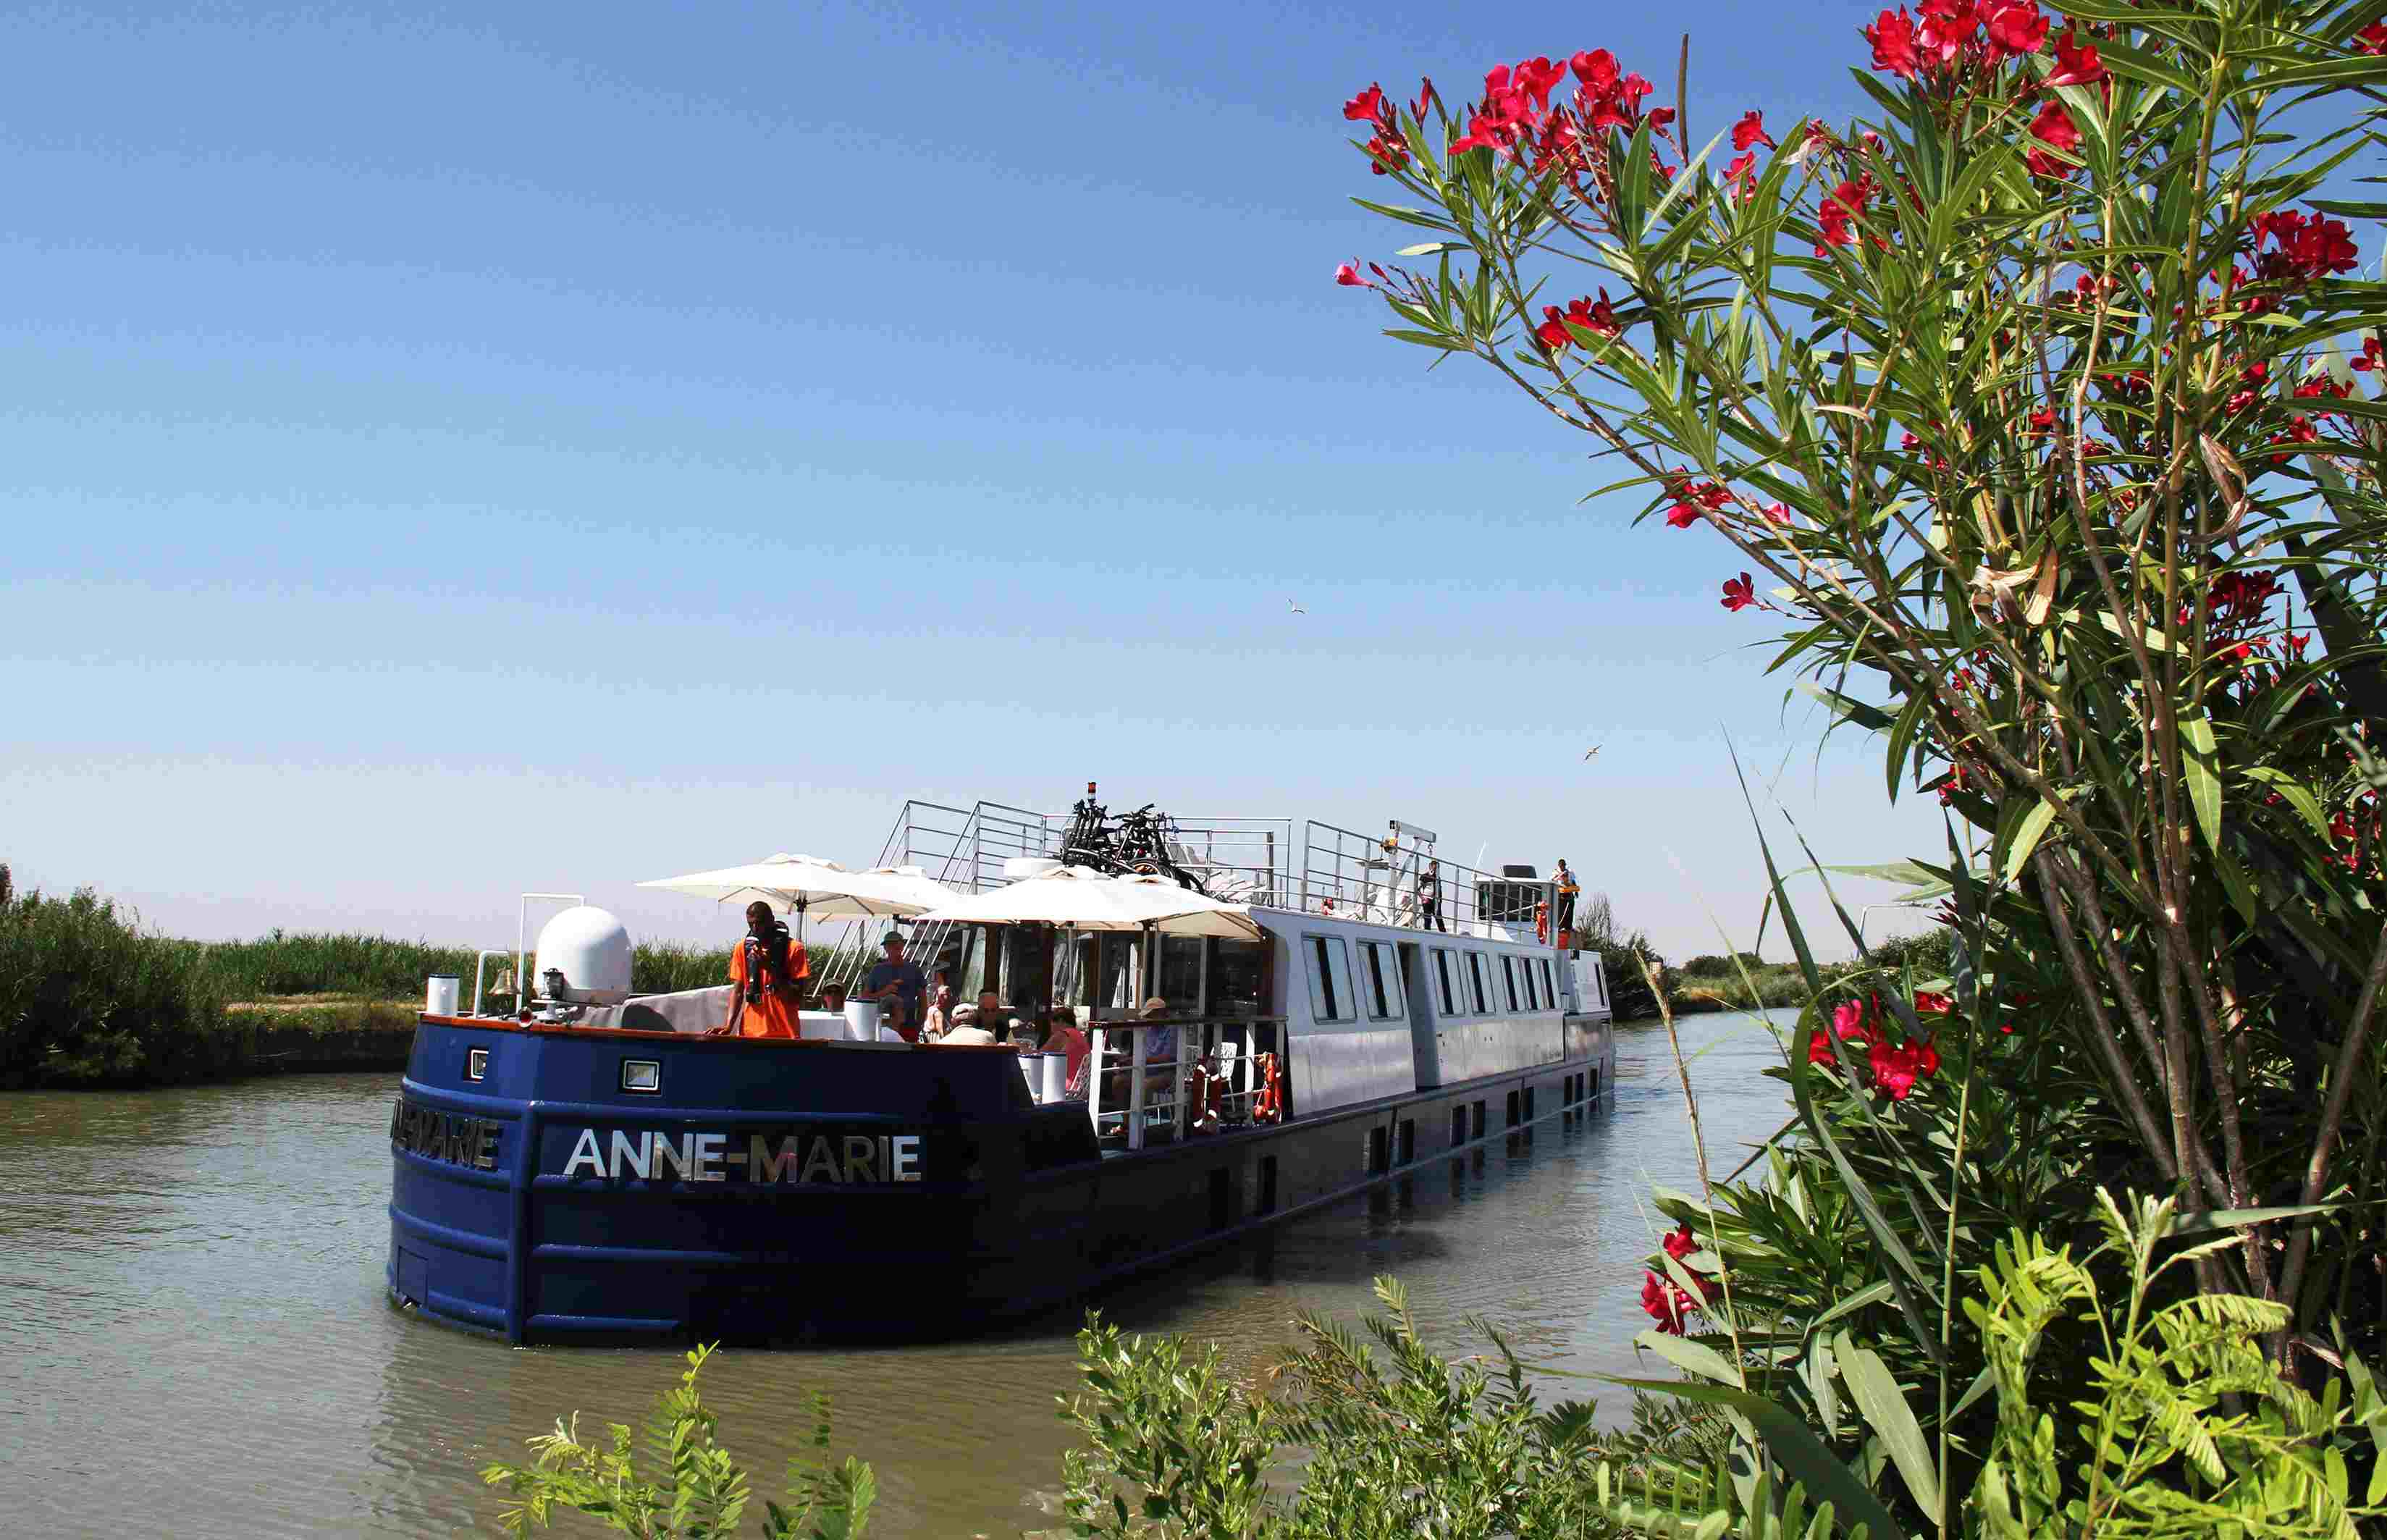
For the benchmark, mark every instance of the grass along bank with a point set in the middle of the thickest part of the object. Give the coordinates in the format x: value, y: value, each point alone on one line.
x: 88, y: 997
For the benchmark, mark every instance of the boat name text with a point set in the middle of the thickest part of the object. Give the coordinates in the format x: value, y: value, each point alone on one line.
x: 788, y: 1159
x: 454, y: 1137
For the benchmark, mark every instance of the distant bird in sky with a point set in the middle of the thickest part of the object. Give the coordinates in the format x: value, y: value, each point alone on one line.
x: 1593, y: 749
x: 1295, y: 608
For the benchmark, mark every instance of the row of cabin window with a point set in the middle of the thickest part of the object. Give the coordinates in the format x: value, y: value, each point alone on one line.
x: 1461, y: 980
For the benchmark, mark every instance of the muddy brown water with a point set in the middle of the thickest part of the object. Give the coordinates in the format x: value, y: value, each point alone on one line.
x: 198, y: 1343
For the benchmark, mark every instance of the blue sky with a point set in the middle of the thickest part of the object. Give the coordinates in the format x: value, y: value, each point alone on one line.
x: 454, y: 451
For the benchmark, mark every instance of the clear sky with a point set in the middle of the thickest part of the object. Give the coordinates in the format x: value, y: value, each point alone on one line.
x: 453, y: 450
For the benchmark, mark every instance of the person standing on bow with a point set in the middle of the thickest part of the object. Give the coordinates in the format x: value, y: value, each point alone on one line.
x: 1568, y: 888
x: 1428, y: 897
x: 768, y: 969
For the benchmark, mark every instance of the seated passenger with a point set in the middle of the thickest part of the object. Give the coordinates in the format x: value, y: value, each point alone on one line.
x: 1159, y: 1050
x: 1066, y: 1037
x: 940, y: 1014
x: 768, y: 969
x: 965, y: 1030
x: 832, y: 999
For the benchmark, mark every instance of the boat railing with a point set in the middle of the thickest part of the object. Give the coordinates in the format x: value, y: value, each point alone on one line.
x: 1374, y: 877
x: 1129, y: 1093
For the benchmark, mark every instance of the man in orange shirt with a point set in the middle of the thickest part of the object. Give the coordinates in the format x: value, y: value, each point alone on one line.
x: 768, y: 969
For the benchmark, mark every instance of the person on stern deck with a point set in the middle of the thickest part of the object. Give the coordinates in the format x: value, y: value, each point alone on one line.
x: 766, y: 973
x: 895, y: 981
x: 941, y: 1011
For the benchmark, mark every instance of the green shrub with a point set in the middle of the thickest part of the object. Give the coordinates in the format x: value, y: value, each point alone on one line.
x: 702, y: 1494
x: 87, y: 997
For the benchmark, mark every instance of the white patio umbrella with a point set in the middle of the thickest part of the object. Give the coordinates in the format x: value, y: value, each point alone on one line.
x: 1083, y: 900
x: 809, y: 884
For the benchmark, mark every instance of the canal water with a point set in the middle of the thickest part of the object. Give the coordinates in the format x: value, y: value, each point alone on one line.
x: 196, y: 1342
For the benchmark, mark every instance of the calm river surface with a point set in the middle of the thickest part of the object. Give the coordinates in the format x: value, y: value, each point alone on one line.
x: 196, y: 1342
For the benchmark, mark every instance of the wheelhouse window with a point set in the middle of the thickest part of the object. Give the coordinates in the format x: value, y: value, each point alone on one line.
x: 1329, y: 979
x: 1235, y: 975
x: 1180, y: 971
x: 1442, y: 978
x: 1475, y: 982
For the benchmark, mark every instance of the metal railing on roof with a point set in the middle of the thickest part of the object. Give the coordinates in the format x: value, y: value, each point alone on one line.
x: 1324, y: 870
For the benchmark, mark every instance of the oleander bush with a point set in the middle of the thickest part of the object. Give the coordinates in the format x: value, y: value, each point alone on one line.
x: 2042, y: 408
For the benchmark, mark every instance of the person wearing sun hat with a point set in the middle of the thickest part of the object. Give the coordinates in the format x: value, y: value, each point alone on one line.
x: 897, y: 984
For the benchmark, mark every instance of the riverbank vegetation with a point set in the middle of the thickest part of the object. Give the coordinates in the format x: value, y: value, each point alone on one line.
x: 88, y: 996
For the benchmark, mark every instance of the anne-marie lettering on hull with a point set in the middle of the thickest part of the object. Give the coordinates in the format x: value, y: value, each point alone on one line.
x: 1201, y: 1029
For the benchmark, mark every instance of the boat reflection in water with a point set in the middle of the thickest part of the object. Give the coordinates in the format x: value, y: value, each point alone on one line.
x: 591, y: 1167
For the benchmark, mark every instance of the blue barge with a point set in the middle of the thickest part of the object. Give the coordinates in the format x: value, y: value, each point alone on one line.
x: 571, y: 1177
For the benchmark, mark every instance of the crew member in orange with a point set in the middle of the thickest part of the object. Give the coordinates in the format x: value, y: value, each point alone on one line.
x: 768, y: 969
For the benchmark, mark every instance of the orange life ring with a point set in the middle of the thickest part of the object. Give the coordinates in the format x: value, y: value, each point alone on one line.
x: 1268, y: 1105
x: 1542, y: 920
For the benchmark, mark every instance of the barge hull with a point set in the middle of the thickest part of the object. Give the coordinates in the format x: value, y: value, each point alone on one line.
x: 609, y: 1218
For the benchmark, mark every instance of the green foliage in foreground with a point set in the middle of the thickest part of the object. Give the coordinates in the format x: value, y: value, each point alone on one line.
x: 2173, y: 1425
x: 699, y: 1493
x: 2180, y: 1427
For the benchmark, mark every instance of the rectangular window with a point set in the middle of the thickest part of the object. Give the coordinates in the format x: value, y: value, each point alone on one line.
x: 1476, y: 983
x: 1457, y: 1126
x: 1549, y: 991
x: 1384, y: 996
x: 1508, y: 979
x: 1329, y: 979
x: 1533, y: 1001
x: 1442, y: 978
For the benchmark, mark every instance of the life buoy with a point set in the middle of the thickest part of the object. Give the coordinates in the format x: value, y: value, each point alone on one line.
x: 1542, y: 920
x: 1268, y: 1105
x: 1206, y: 1089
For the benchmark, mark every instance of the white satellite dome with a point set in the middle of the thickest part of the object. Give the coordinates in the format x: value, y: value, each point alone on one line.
x: 590, y: 950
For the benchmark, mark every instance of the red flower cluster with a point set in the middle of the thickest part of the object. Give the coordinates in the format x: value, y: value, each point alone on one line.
x: 1692, y: 499
x: 1948, y: 30
x: 1388, y: 150
x: 2373, y: 38
x: 1846, y: 204
x: 2053, y: 127
x: 1895, y: 1069
x: 1609, y: 98
x: 2076, y: 63
x: 2236, y: 599
x: 1515, y: 96
x: 1669, y: 1302
x: 2308, y: 249
x: 1585, y: 314
x: 1737, y: 594
x: 2372, y: 357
